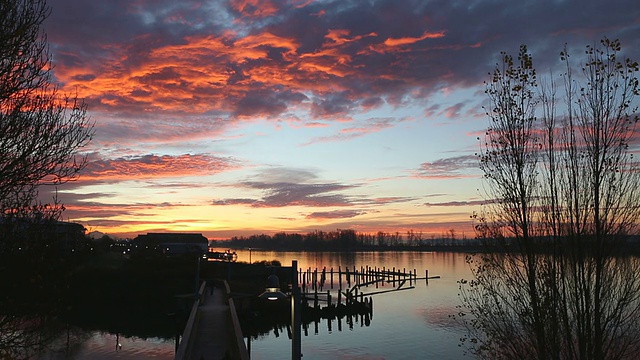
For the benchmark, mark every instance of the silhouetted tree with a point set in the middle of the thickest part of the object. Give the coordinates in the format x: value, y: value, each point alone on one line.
x: 40, y: 129
x: 41, y: 132
x: 565, y: 197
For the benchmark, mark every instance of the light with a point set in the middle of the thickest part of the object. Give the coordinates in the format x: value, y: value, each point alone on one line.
x: 272, y: 292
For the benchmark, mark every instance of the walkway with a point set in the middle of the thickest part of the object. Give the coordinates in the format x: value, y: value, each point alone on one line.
x: 212, y: 326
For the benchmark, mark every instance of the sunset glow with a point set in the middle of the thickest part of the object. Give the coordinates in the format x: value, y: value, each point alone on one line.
x: 257, y: 116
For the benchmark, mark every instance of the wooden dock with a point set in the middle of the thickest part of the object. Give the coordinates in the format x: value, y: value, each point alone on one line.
x: 341, y: 295
x: 213, y: 330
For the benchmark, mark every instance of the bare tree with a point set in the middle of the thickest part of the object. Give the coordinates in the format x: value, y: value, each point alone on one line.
x: 40, y: 129
x: 566, y: 188
x: 41, y: 132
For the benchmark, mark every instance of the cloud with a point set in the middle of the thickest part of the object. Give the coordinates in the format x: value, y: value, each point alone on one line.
x: 154, y: 166
x: 453, y: 167
x: 459, y: 203
x: 195, y: 57
x: 302, y: 188
x: 336, y: 214
x: 283, y: 186
x: 177, y: 131
x: 412, y: 40
x: 283, y: 194
x: 361, y: 128
x: 392, y: 200
x: 164, y: 79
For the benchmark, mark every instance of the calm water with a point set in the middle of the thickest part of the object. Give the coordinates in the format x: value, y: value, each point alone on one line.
x: 105, y: 346
x: 409, y: 324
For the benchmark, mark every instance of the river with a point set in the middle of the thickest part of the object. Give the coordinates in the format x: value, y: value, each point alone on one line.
x: 409, y: 324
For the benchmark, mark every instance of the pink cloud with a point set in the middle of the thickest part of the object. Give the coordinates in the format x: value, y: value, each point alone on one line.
x: 154, y: 166
x: 391, y: 42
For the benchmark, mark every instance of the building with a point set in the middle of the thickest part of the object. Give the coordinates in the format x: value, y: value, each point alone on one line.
x: 171, y: 243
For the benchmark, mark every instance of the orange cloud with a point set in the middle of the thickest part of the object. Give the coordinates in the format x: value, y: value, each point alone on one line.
x: 391, y: 42
x: 255, y: 8
x: 153, y: 166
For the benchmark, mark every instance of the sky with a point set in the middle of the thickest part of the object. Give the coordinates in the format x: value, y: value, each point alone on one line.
x: 241, y: 117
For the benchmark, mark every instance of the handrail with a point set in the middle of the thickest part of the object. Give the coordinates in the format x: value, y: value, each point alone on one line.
x: 243, y: 353
x: 188, y: 329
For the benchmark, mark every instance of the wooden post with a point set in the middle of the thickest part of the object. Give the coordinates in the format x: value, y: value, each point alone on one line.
x: 367, y: 274
x: 304, y: 281
x: 332, y: 278
x: 315, y: 299
x: 426, y: 276
x: 314, y: 280
x: 328, y: 298
x: 296, y: 315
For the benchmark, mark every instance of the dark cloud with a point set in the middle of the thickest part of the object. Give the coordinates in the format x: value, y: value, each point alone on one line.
x: 281, y: 187
x: 161, y: 74
x: 459, y: 203
x: 283, y: 194
x: 89, y: 208
x: 453, y: 167
x: 335, y: 104
x: 392, y: 200
x: 237, y: 56
x: 336, y: 214
x: 266, y: 102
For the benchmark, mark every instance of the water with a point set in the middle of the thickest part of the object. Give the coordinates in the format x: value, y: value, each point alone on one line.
x: 104, y: 346
x: 409, y: 324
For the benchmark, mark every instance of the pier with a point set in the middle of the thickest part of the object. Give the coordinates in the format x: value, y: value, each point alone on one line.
x: 213, y: 330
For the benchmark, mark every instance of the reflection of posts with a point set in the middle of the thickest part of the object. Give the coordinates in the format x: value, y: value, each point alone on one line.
x: 272, y: 292
x: 296, y: 303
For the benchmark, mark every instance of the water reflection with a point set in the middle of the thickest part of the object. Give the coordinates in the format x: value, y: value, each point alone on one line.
x: 94, y: 309
x: 409, y: 324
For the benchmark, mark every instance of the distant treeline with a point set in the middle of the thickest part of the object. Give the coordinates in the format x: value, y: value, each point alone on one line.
x: 348, y: 240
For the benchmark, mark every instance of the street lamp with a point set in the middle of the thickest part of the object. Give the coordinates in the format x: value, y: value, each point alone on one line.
x: 272, y: 292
